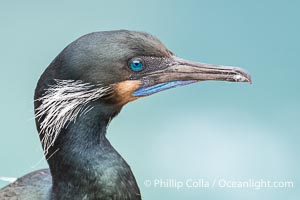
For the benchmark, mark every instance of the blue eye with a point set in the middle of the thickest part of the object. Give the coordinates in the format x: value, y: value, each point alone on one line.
x: 136, y: 65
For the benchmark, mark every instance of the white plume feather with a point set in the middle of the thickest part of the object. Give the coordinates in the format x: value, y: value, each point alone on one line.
x: 62, y: 103
x: 8, y: 179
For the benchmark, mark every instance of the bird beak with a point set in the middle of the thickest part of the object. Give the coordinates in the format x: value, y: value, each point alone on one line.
x: 181, y: 72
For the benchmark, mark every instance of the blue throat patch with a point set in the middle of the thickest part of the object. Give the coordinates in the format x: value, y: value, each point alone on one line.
x: 145, y: 91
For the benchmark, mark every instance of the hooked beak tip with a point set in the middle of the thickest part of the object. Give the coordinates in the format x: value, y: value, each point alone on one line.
x: 242, y: 75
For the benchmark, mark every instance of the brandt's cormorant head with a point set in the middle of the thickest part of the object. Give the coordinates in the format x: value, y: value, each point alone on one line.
x: 113, y: 68
x: 136, y: 64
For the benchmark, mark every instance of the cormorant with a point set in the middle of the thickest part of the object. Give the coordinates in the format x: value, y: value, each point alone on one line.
x: 76, y: 97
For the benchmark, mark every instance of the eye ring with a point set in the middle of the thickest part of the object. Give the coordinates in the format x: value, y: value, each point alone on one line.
x: 136, y: 65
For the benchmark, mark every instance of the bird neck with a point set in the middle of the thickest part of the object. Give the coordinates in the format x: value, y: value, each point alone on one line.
x: 86, y: 165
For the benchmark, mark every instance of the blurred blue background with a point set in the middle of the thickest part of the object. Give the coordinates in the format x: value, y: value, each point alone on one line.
x: 209, y: 130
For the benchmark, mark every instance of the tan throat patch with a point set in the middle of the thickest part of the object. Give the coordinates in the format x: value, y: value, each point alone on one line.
x: 123, y: 91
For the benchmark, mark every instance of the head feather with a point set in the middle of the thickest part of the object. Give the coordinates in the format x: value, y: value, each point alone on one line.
x: 62, y: 103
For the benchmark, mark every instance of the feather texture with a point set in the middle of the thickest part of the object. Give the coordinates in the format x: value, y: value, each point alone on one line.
x: 62, y: 103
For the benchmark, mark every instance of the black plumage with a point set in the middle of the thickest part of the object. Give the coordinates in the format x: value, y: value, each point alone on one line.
x: 76, y: 97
